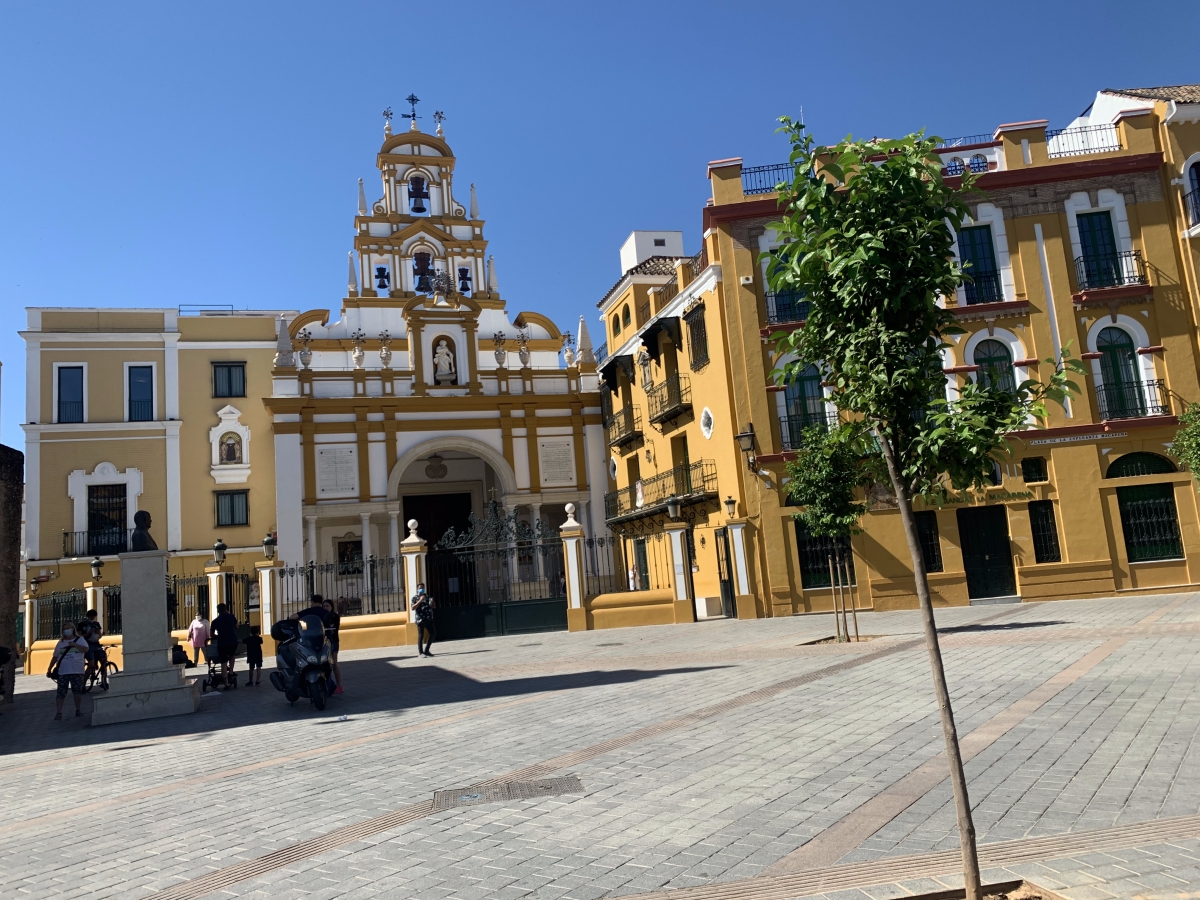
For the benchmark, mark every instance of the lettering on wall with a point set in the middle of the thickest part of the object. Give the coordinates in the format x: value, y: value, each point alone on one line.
x: 337, y: 471
x: 557, y: 459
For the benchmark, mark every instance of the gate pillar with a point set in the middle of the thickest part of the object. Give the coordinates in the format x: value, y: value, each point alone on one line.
x: 412, y: 549
x: 95, y: 598
x: 267, y: 572
x: 745, y: 600
x: 681, y: 566
x: 216, y: 587
x: 572, y: 541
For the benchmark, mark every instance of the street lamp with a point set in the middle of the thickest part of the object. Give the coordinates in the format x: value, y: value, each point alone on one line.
x: 269, y: 546
x: 219, y: 549
x: 97, y: 565
x: 673, y: 508
x: 745, y: 441
x: 730, y: 506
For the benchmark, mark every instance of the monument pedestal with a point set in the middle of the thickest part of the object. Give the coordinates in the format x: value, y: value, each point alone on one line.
x: 150, y: 686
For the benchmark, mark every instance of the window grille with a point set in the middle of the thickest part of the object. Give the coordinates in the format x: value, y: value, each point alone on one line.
x: 1150, y: 522
x: 141, y: 393
x: 995, y: 366
x: 814, y: 557
x: 1140, y: 463
x: 978, y: 163
x: 107, y: 522
x: 955, y: 166
x: 697, y: 338
x: 70, y: 394
x: 1033, y: 469
x: 1045, y: 531
x: 229, y: 379
x: 930, y: 540
x: 233, y: 508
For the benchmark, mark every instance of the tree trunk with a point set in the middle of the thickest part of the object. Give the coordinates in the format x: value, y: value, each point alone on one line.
x: 962, y: 802
x: 12, y: 487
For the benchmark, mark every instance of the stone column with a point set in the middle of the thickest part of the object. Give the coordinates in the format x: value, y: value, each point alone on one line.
x: 365, y: 518
x: 394, y: 532
x: 744, y: 602
x: 216, y: 587
x: 412, y: 549
x: 30, y: 602
x: 684, y: 604
x: 310, y: 523
x: 573, y: 568
x: 267, y: 572
x: 95, y: 600
x: 150, y: 686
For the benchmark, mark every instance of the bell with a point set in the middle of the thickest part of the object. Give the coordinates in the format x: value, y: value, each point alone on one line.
x: 464, y: 280
x: 382, y: 278
x: 422, y: 271
x: 417, y: 195
x: 423, y: 284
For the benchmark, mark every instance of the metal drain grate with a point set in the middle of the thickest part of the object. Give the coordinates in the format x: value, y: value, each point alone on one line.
x: 508, y: 790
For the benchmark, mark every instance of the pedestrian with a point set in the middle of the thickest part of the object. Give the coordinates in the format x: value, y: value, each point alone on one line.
x: 225, y: 630
x: 332, y: 624
x: 91, y: 631
x: 254, y: 645
x: 422, y: 608
x: 66, y: 667
x: 198, y: 635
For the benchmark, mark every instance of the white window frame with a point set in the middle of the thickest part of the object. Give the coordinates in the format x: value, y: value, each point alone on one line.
x: 153, y: 387
x: 1107, y: 200
x: 104, y: 473
x: 1135, y: 330
x: 990, y: 214
x: 54, y: 409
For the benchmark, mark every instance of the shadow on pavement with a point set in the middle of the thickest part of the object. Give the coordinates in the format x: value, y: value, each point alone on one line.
x: 999, y: 626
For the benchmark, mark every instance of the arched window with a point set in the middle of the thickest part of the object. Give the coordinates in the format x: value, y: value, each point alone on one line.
x: 995, y: 366
x: 805, y: 402
x: 1120, y: 393
x: 616, y: 324
x: 625, y: 316
x: 1193, y: 195
x: 978, y: 163
x: 956, y: 166
x: 1140, y: 464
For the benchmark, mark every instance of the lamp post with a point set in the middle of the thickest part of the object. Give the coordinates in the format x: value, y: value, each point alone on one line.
x: 219, y: 549
x: 269, y: 547
x: 730, y: 507
x: 745, y: 441
x: 673, y: 508
x: 97, y: 565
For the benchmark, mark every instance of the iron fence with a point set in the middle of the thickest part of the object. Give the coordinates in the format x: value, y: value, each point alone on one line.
x: 107, y: 542
x: 765, y: 179
x: 670, y: 399
x: 1133, y: 400
x: 374, y: 585
x: 786, y: 306
x: 186, y: 595
x: 1082, y: 141
x: 624, y: 427
x: 1110, y: 270
x: 112, y: 609
x: 58, y: 609
x: 689, y: 483
x: 617, y: 563
x: 498, y: 559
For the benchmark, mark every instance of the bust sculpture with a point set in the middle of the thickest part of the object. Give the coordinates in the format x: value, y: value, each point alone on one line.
x: 443, y: 364
x: 141, y: 539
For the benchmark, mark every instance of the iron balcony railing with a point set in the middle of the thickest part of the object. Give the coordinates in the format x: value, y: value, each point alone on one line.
x: 1133, y: 400
x: 141, y: 410
x: 765, y: 179
x: 699, y: 262
x: 624, y: 427
x: 1192, y: 201
x: 966, y: 140
x: 1082, y: 141
x: 601, y: 353
x: 57, y: 610
x: 1115, y: 270
x: 670, y: 399
x: 107, y: 542
x: 70, y: 411
x: 792, y: 427
x: 690, y: 483
x: 643, y: 313
x: 984, y: 287
x: 786, y: 306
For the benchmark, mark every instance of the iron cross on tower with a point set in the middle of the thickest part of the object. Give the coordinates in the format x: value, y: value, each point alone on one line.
x: 412, y: 100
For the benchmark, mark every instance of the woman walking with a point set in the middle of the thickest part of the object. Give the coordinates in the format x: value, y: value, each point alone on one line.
x: 198, y: 635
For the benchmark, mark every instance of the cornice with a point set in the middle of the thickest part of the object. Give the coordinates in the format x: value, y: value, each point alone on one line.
x: 1067, y: 171
x: 72, y: 427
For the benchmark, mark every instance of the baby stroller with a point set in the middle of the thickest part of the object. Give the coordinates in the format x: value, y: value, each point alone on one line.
x: 214, y: 678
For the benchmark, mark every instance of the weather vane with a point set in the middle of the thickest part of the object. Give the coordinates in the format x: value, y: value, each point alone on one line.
x: 439, y: 116
x: 387, y: 115
x: 412, y: 100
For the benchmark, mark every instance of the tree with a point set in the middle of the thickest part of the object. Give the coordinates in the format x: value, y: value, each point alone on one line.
x: 866, y: 238
x: 1186, y: 446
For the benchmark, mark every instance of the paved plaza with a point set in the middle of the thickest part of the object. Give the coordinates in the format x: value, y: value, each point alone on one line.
x: 723, y: 759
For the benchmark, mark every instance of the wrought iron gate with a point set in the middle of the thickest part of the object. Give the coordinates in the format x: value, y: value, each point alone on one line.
x: 500, y: 576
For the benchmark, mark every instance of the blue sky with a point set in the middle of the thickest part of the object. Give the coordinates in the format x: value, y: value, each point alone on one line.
x: 160, y: 154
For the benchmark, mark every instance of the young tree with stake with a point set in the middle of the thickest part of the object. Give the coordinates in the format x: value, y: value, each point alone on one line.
x: 866, y: 237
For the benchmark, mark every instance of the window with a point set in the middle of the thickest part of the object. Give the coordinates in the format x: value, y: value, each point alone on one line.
x: 106, y: 519
x: 978, y: 163
x: 956, y: 166
x: 1140, y: 464
x: 1033, y: 469
x: 1120, y: 393
x: 978, y: 255
x: 697, y: 338
x: 141, y: 393
x: 229, y: 379
x: 1101, y: 266
x: 350, y: 558
x: 616, y: 322
x: 995, y: 366
x: 1045, y: 531
x: 1192, y: 198
x: 625, y: 317
x: 930, y: 540
x: 233, y: 508
x: 815, y: 553
x: 996, y: 476
x: 70, y: 394
x: 660, y: 242
x: 1150, y: 522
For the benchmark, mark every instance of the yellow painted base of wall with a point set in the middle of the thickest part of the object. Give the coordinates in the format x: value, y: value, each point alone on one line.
x: 628, y: 609
x: 379, y: 630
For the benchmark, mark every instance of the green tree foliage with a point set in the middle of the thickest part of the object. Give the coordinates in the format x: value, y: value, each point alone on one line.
x: 824, y: 477
x: 1186, y: 446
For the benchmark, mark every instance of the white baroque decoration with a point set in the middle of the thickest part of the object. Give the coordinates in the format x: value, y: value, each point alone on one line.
x: 230, y: 441
x: 104, y: 473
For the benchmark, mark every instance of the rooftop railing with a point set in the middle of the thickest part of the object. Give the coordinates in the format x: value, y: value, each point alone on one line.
x: 765, y: 179
x: 966, y: 140
x: 1082, y: 141
x: 1110, y: 270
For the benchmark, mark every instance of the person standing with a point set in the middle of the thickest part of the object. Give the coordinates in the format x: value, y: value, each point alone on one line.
x: 198, y: 635
x: 332, y: 624
x: 67, y: 667
x: 225, y: 630
x: 254, y: 645
x: 422, y: 608
x: 91, y: 630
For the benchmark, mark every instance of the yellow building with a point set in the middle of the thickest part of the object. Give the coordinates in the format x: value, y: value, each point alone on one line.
x: 1085, y: 236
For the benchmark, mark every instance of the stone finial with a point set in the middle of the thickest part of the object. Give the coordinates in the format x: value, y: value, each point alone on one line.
x: 283, y: 348
x: 413, y: 126
x: 570, y: 523
x: 474, y: 203
x: 585, y: 343
x: 412, y: 527
x: 493, y: 285
x: 352, y: 282
x: 362, y: 199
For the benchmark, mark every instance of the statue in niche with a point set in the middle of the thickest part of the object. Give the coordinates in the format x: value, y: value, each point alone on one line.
x: 141, y: 539
x: 443, y: 364
x: 230, y: 449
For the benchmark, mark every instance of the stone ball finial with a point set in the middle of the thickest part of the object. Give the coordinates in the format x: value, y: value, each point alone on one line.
x: 412, y: 527
x: 570, y: 508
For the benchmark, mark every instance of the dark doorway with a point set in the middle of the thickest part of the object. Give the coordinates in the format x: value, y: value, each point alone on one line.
x: 987, y: 555
x: 437, y: 512
x: 725, y: 572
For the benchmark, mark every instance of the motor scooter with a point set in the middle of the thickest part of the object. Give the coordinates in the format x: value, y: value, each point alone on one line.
x: 303, y: 660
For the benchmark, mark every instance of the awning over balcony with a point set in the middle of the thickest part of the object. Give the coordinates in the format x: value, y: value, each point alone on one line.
x: 669, y: 324
x: 608, y: 369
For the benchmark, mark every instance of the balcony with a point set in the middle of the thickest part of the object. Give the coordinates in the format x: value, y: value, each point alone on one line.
x: 984, y: 287
x: 1062, y: 142
x: 966, y: 140
x: 601, y: 353
x: 107, y: 542
x: 624, y: 427
x: 1134, y: 400
x: 1115, y: 270
x: 792, y: 428
x: 691, y: 483
x: 141, y: 411
x: 785, y: 307
x: 70, y: 411
x: 1192, y: 202
x: 643, y: 313
x: 670, y: 399
x: 765, y: 179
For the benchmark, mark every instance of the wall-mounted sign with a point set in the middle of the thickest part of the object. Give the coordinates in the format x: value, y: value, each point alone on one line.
x: 556, y: 457
x: 1075, y: 438
x: 337, y: 471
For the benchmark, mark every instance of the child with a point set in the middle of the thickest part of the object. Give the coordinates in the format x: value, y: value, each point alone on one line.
x: 254, y: 645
